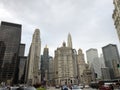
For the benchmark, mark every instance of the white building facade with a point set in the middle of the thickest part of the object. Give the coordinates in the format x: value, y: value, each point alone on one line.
x: 94, y: 63
x: 33, y: 64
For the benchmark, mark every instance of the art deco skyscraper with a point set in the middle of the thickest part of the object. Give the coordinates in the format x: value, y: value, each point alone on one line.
x: 116, y: 16
x: 45, y: 64
x: 33, y: 65
x: 69, y: 41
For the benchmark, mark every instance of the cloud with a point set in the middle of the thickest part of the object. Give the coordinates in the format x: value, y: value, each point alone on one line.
x: 89, y: 22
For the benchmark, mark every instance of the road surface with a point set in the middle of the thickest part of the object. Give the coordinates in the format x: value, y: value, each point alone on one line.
x: 53, y: 88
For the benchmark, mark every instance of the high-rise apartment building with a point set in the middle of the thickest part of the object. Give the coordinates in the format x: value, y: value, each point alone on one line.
x: 33, y: 64
x: 116, y: 16
x: 10, y: 51
x: 111, y: 56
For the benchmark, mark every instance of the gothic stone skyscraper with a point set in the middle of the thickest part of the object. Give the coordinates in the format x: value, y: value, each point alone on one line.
x: 65, y: 65
x: 10, y: 38
x: 33, y: 64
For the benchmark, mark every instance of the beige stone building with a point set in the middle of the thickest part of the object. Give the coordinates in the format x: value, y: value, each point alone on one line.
x: 116, y: 16
x: 81, y: 65
x: 87, y: 75
x: 65, y: 65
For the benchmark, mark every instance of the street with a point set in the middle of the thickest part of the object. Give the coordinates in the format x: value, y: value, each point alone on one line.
x: 53, y: 88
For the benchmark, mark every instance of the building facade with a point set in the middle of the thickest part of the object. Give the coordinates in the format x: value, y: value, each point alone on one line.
x: 116, y: 16
x: 91, y: 55
x: 45, y: 65
x: 105, y: 73
x: 81, y: 66
x: 65, y: 64
x: 87, y: 75
x: 10, y: 48
x: 94, y: 63
x: 111, y: 56
x: 33, y: 62
x: 21, y: 69
x: 51, y: 71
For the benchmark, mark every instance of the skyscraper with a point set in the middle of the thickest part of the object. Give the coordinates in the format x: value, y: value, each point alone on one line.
x: 111, y: 56
x: 94, y: 64
x: 33, y: 64
x: 10, y: 38
x: 116, y: 16
x: 91, y: 55
x: 65, y: 64
x: 51, y: 70
x: 45, y: 64
x: 105, y: 73
x: 69, y: 41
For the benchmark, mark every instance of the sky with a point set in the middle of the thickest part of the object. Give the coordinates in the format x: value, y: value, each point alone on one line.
x: 89, y: 22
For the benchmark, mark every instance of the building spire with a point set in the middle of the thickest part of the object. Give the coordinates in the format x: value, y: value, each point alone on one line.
x: 69, y: 42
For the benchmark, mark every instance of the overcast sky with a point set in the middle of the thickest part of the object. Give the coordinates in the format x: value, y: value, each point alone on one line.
x: 89, y: 22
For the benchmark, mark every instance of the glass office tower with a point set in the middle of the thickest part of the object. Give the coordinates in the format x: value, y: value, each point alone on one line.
x: 10, y: 37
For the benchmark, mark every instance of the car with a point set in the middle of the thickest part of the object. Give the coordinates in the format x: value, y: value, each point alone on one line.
x: 25, y: 88
x: 81, y: 86
x: 86, y: 86
x: 57, y: 86
x: 13, y: 88
x: 76, y: 87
